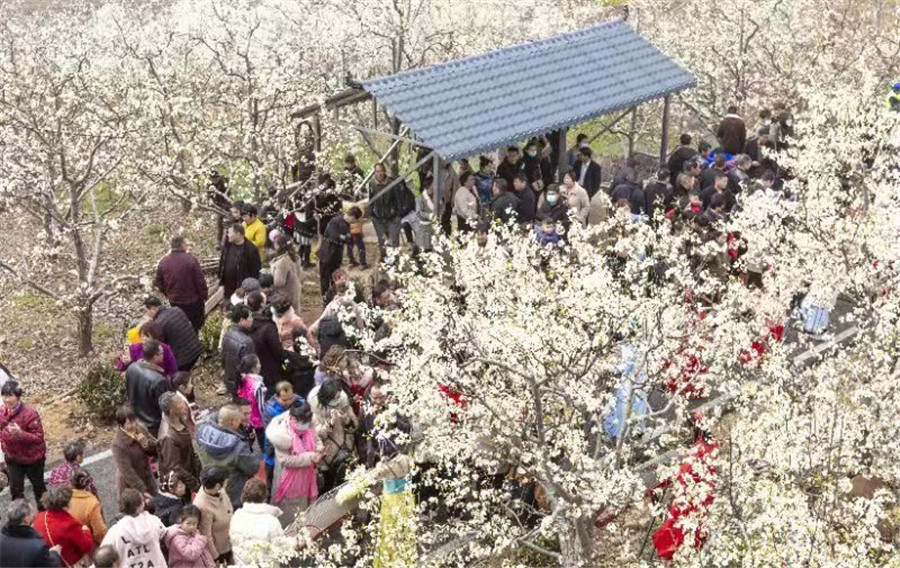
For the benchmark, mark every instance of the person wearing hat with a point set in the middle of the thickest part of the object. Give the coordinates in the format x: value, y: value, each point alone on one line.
x: 893, y: 99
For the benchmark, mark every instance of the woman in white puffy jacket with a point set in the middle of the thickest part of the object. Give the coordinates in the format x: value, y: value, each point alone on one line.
x: 255, y: 527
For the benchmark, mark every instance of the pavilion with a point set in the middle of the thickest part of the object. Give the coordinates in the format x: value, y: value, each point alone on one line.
x: 485, y: 102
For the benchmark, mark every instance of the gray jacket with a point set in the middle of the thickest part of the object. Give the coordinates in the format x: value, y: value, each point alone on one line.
x: 229, y: 450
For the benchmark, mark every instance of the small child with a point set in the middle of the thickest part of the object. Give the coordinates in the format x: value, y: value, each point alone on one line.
x: 253, y: 390
x: 356, y: 240
x: 548, y: 235
x: 695, y: 203
x: 187, y: 547
x: 172, y: 497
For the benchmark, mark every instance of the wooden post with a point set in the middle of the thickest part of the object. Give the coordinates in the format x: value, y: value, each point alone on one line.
x: 664, y: 145
x: 438, y: 183
x: 562, y: 159
x: 317, y: 133
x: 395, y: 150
x: 631, y: 132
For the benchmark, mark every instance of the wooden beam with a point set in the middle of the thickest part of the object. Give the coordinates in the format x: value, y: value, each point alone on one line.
x: 398, y: 179
x: 409, y: 141
x: 664, y: 144
x: 608, y: 127
x: 366, y: 179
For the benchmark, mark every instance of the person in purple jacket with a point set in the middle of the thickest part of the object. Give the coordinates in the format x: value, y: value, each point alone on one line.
x: 136, y: 351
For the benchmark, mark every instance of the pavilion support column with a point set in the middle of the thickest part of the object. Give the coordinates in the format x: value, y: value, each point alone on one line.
x: 562, y: 160
x: 632, y: 132
x: 664, y: 144
x: 438, y: 183
x: 317, y: 133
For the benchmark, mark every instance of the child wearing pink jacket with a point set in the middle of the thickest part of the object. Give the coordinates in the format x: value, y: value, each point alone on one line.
x: 187, y: 547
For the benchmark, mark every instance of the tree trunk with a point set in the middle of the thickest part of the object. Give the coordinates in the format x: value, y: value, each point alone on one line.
x: 576, y: 542
x: 85, y: 316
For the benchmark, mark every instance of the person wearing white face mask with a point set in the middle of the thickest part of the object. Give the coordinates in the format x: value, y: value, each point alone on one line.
x: 298, y: 452
x: 553, y: 207
x: 531, y: 166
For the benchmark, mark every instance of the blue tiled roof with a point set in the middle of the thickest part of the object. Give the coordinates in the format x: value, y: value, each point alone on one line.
x: 485, y: 102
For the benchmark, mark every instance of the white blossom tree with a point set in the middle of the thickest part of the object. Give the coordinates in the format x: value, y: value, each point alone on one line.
x: 537, y: 342
x: 65, y: 113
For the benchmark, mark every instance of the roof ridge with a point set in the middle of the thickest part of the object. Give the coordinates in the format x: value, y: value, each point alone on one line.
x: 508, y: 49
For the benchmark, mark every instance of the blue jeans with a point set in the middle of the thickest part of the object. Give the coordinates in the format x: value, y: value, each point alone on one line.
x: 357, y: 241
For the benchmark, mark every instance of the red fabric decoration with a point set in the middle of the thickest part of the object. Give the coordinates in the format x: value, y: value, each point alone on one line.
x: 670, y: 536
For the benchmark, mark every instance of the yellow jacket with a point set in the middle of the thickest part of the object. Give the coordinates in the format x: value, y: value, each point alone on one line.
x: 86, y: 508
x: 255, y: 232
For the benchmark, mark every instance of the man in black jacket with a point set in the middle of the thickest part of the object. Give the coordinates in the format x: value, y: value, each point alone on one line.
x: 658, y: 195
x: 21, y: 545
x: 505, y: 205
x: 176, y: 331
x: 144, y: 382
x: 630, y: 190
x: 331, y: 251
x: 510, y: 167
x: 235, y: 344
x: 679, y: 156
x: 588, y: 172
x: 709, y: 175
x: 527, y: 200
x: 384, y: 208
x: 719, y: 187
x: 239, y: 260
x: 266, y: 343
x: 531, y: 165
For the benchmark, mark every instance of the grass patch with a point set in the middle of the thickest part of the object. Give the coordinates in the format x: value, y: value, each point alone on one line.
x: 23, y: 343
x: 31, y: 300
x: 104, y: 332
x: 154, y: 230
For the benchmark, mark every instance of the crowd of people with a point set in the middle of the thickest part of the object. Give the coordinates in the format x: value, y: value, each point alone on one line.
x: 299, y: 400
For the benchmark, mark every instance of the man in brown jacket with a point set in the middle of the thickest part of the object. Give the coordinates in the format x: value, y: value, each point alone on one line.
x: 180, y: 279
x: 732, y: 132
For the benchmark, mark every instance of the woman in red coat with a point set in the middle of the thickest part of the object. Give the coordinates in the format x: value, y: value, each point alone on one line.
x: 22, y: 442
x: 59, y: 528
